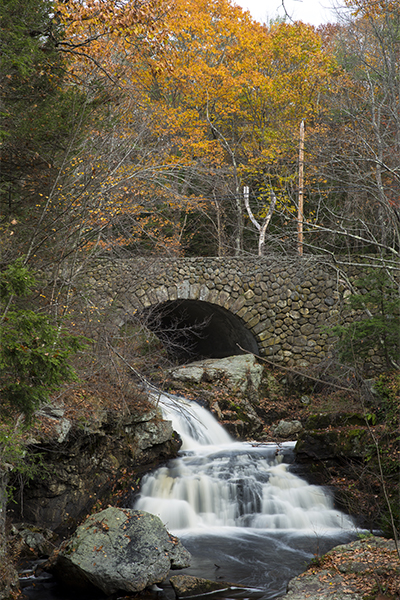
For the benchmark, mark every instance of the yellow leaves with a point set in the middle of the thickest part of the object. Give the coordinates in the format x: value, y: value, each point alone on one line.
x: 226, y: 105
x: 232, y: 79
x: 372, y: 8
x: 99, y: 31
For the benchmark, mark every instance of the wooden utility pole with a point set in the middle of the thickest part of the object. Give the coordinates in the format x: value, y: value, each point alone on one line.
x: 301, y: 192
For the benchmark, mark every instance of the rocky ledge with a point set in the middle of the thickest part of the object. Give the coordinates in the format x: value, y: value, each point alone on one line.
x: 90, y: 462
x: 366, y: 569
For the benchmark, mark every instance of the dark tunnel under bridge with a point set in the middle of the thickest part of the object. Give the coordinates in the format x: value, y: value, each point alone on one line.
x: 194, y: 329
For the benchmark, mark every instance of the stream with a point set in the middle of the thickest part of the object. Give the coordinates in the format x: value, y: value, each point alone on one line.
x: 238, y: 507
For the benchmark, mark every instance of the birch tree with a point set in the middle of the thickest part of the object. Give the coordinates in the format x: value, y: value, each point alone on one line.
x: 261, y: 227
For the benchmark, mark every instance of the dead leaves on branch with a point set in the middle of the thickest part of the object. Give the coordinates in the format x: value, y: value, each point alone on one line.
x: 104, y: 36
x: 100, y: 17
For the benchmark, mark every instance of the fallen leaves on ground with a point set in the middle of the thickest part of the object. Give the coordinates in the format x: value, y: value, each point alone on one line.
x: 370, y: 567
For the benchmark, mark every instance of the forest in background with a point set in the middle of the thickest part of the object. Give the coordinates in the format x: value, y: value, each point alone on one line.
x: 130, y: 128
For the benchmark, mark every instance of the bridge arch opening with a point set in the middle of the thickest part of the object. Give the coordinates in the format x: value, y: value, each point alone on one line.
x: 193, y: 329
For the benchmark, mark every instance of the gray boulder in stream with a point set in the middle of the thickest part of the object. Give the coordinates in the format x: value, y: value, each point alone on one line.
x: 240, y: 371
x: 119, y: 550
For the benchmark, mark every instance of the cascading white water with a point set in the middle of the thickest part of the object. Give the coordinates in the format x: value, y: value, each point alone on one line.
x: 217, y: 482
x: 221, y: 494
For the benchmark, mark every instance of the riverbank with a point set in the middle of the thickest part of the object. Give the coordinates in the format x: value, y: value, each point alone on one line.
x: 102, y: 418
x: 366, y: 569
x: 90, y: 449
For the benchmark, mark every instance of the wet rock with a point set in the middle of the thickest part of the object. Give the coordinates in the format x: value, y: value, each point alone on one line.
x: 333, y: 436
x: 186, y: 586
x: 119, y: 550
x: 33, y: 541
x: 152, y: 433
x: 240, y: 377
x: 337, y: 419
x: 238, y: 417
x: 85, y: 466
x: 332, y: 444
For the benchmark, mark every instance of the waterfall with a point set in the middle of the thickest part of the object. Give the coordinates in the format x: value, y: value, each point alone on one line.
x: 221, y: 496
x: 217, y: 482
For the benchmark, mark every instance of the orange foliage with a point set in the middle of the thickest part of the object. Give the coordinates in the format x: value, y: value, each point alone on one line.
x: 200, y: 92
x: 372, y: 8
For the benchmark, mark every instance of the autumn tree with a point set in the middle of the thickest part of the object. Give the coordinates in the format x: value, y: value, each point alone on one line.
x: 60, y: 169
x: 94, y: 178
x: 226, y: 113
x: 297, y: 73
x: 359, y: 149
x: 186, y: 106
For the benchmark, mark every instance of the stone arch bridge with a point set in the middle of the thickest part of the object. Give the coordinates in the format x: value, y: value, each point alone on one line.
x: 276, y: 307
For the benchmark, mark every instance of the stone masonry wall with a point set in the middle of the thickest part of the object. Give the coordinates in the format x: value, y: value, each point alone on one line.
x: 286, y: 303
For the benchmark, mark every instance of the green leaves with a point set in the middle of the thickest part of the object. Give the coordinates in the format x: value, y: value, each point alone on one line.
x: 34, y: 352
x: 33, y: 359
x: 378, y: 330
x: 15, y: 280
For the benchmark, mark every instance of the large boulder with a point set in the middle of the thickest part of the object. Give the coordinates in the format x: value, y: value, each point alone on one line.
x: 240, y: 372
x: 333, y: 436
x: 119, y: 550
x: 236, y: 379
